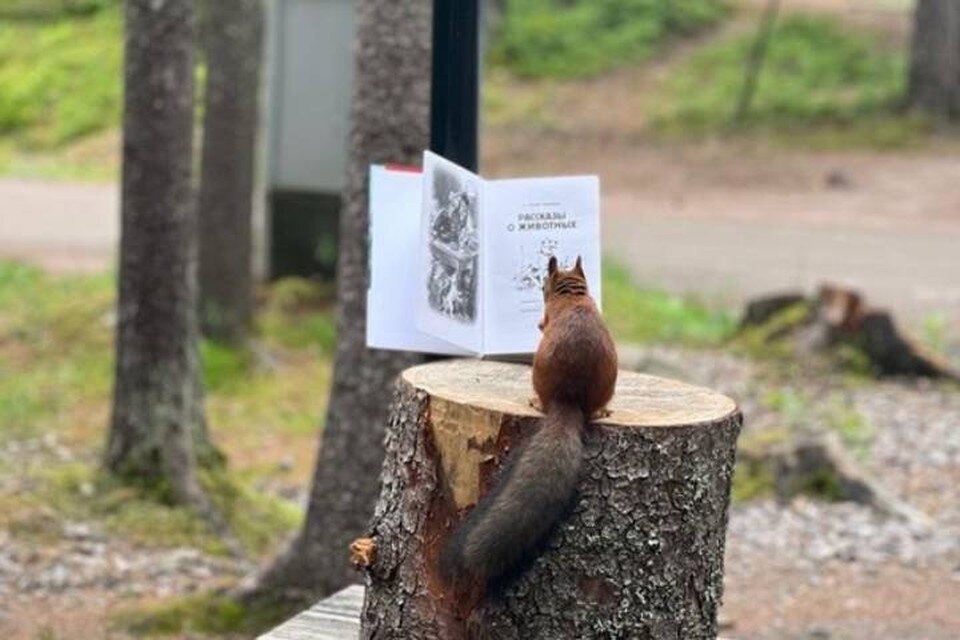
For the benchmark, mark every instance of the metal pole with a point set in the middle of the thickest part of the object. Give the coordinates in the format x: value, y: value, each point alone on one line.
x: 454, y: 98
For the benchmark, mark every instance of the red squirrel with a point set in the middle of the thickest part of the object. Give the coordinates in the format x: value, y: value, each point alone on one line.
x: 574, y: 374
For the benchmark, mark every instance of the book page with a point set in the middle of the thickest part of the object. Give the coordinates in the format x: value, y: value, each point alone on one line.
x: 395, y: 206
x: 449, y: 300
x: 529, y: 220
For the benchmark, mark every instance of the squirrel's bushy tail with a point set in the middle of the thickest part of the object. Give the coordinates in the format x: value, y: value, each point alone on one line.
x: 529, y: 495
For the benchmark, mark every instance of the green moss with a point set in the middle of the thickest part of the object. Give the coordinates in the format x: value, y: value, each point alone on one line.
x: 144, y: 515
x: 823, y: 84
x: 646, y: 315
x: 224, y: 366
x: 855, y: 431
x: 769, y: 340
x: 258, y: 521
x: 935, y: 332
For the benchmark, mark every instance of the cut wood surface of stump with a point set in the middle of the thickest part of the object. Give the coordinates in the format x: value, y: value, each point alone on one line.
x: 640, y: 554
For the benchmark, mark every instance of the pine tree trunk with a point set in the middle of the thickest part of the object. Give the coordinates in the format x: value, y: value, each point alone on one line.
x: 639, y: 556
x: 232, y: 37
x: 935, y: 58
x: 390, y: 123
x: 158, y: 404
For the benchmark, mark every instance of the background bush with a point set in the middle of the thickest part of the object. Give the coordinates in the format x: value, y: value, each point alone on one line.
x: 816, y: 71
x: 564, y: 38
x: 60, y: 77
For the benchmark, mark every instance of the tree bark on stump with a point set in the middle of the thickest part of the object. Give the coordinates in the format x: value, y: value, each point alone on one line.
x: 641, y: 553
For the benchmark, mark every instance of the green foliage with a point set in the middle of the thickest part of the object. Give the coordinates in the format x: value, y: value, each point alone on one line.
x: 259, y: 521
x: 46, y: 9
x: 754, y: 475
x: 769, y: 340
x: 823, y: 484
x: 564, y: 38
x: 817, y: 72
x: 60, y: 79
x: 643, y: 315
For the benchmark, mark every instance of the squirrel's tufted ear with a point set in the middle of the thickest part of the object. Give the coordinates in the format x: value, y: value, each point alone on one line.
x: 552, y: 265
x: 578, y: 268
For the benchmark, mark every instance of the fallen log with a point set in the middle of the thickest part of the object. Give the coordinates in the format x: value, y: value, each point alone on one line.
x: 840, y: 316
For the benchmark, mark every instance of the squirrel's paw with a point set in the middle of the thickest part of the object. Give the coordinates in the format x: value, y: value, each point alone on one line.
x: 600, y: 414
x: 536, y: 404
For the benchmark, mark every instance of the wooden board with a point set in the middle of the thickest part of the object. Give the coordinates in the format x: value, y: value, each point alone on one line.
x: 335, y: 618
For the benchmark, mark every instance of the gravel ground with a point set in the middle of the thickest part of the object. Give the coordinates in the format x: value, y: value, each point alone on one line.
x: 803, y: 570
x: 811, y: 569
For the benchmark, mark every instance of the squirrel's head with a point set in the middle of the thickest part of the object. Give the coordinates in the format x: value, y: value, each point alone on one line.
x: 558, y: 282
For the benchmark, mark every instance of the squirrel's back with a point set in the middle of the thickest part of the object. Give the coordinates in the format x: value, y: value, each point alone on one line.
x: 576, y: 362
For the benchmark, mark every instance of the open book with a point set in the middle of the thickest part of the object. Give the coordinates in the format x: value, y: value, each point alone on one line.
x: 457, y: 262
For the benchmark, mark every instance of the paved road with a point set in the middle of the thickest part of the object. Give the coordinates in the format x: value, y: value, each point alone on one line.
x: 75, y: 227
x: 913, y: 272
x: 61, y: 226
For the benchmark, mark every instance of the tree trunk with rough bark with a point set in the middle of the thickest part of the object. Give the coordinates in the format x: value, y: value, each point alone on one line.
x: 232, y: 36
x: 935, y: 58
x: 157, y: 429
x: 390, y: 123
x: 640, y: 555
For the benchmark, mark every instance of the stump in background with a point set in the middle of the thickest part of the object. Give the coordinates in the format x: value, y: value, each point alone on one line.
x: 641, y: 553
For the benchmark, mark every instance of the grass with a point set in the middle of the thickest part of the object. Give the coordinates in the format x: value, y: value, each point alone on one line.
x: 574, y: 38
x: 830, y: 83
x: 56, y: 342
x: 643, y: 315
x: 76, y: 491
x: 60, y: 89
x: 60, y: 77
x: 55, y: 336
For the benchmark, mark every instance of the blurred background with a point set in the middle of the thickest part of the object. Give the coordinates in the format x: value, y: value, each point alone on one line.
x: 781, y: 221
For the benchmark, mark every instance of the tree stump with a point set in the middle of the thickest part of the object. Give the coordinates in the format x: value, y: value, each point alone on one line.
x: 640, y: 554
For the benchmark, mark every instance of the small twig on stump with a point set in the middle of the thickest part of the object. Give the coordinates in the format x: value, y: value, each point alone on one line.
x: 363, y: 552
